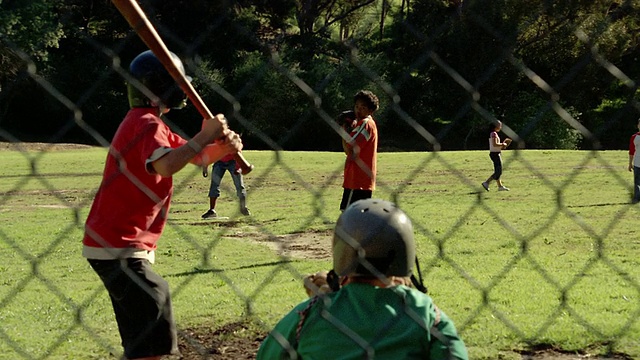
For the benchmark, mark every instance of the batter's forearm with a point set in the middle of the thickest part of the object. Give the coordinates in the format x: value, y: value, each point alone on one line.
x: 209, y: 154
x: 173, y: 161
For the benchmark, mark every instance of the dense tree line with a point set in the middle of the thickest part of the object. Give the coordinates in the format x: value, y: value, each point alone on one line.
x: 560, y: 74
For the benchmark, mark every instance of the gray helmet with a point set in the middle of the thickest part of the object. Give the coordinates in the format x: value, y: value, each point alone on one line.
x: 373, y: 237
x: 147, y: 69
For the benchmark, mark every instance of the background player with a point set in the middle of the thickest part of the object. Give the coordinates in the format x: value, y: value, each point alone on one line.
x: 634, y: 163
x: 495, y: 153
x: 227, y: 163
x: 361, y: 150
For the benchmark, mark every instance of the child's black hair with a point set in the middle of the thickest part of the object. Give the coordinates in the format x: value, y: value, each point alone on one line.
x: 369, y: 98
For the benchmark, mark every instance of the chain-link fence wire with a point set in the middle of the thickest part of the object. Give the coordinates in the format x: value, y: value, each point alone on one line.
x: 272, y: 61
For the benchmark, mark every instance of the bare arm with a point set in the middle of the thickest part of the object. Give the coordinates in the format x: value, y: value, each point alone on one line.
x: 173, y: 161
x: 346, y: 148
x: 496, y: 142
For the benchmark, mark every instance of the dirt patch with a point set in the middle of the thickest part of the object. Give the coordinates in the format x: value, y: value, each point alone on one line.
x: 38, y: 146
x: 549, y: 353
x: 232, y: 341
x: 307, y: 245
x: 238, y: 341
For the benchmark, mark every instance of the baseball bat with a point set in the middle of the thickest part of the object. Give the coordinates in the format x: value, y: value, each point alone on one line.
x: 138, y: 20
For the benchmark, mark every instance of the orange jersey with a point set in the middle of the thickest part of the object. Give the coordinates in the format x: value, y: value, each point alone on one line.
x: 360, y: 165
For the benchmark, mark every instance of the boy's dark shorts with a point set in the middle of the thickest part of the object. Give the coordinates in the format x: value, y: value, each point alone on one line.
x: 142, y: 305
x: 349, y: 196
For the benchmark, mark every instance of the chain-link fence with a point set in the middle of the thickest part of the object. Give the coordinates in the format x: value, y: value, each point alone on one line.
x: 558, y: 75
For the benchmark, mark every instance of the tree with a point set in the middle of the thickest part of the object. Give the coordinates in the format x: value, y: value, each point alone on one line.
x: 451, y: 66
x: 495, y: 49
x: 29, y: 26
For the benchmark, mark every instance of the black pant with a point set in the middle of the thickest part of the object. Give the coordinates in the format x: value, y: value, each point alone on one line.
x: 349, y: 196
x: 497, y: 165
x: 142, y: 305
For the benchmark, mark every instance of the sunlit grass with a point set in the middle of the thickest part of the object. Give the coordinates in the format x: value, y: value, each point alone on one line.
x: 553, y: 261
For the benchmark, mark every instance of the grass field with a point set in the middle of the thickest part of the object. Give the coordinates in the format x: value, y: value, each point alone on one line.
x: 551, y: 264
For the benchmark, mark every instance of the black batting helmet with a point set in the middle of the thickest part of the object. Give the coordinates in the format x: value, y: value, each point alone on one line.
x: 148, y: 70
x: 373, y: 237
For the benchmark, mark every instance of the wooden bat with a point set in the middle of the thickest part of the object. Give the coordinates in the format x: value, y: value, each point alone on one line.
x: 138, y: 20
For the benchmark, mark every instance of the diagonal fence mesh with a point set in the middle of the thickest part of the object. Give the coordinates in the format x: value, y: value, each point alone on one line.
x: 559, y: 76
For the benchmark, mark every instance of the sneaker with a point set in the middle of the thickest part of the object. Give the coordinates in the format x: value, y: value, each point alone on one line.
x: 485, y: 186
x: 503, y: 188
x: 245, y: 211
x: 209, y: 214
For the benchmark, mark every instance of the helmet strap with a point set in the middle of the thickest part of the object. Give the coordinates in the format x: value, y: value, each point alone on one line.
x: 333, y: 280
x: 417, y: 282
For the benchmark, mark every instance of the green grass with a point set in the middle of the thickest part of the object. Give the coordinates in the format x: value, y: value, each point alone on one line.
x: 554, y: 262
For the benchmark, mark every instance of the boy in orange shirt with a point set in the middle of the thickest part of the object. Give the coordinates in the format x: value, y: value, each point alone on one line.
x: 361, y: 150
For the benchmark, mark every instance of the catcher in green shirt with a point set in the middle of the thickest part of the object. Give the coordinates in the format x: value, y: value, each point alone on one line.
x: 366, y: 307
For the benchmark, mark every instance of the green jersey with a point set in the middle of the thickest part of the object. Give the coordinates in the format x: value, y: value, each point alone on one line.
x: 365, y: 321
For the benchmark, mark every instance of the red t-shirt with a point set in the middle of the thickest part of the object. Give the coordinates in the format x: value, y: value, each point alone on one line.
x: 131, y: 206
x: 360, y: 168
